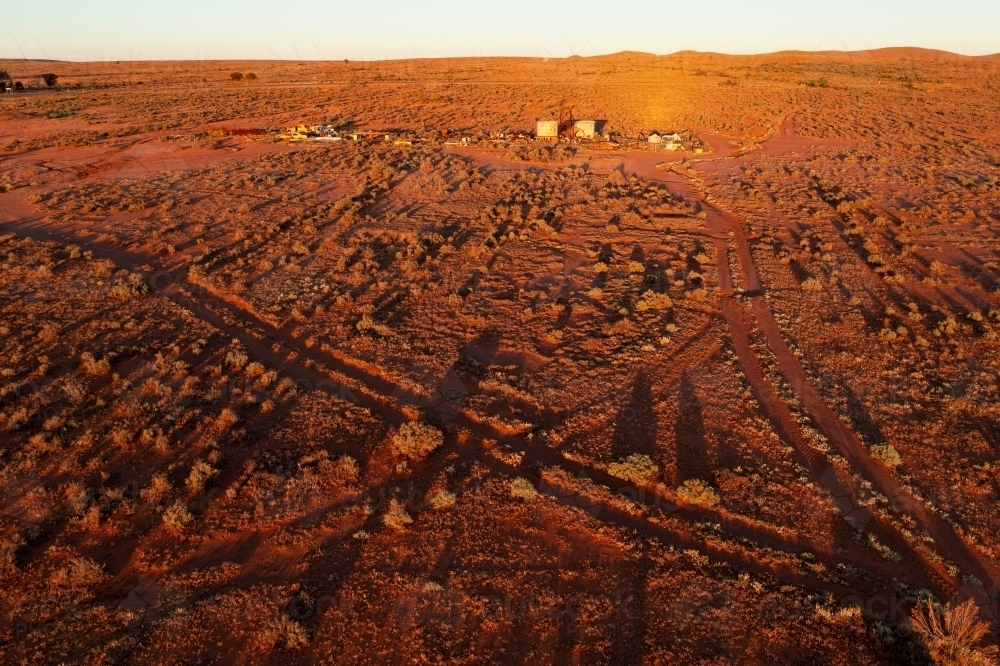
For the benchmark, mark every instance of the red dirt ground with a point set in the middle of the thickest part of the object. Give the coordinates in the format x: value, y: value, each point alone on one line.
x: 367, y: 402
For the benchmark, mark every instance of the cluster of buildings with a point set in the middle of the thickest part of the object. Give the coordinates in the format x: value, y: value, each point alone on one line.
x: 546, y: 131
x: 586, y: 130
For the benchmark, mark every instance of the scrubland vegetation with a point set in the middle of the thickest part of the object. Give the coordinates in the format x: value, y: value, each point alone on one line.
x: 489, y: 402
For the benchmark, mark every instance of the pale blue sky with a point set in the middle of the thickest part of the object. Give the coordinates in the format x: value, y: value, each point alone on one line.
x: 377, y: 29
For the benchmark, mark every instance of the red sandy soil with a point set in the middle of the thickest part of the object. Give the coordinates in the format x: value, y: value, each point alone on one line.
x: 361, y: 402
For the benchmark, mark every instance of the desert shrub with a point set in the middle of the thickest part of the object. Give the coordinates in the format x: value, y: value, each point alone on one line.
x: 91, y: 519
x: 159, y: 489
x: 201, y: 474
x: 53, y: 423
x: 696, y: 491
x: 600, y: 267
x: 250, y: 76
x: 541, y: 154
x: 636, y: 267
x: 227, y: 418
x: 630, y: 218
x: 346, y: 468
x: 237, y: 359
x: 888, y: 335
x: 368, y: 324
x: 79, y: 574
x: 267, y: 378
x: 236, y: 76
x: 137, y: 283
x: 396, y: 517
x: 40, y: 444
x: 521, y: 488
x: 812, y: 284
x: 78, y: 498
x: 84, y: 441
x: 17, y: 419
x: 886, y: 454
x: 122, y: 292
x: 953, y: 634
x: 417, y: 440
x: 637, y: 468
x: 119, y: 438
x: 443, y: 500
x: 286, y: 634
x: 254, y: 370
x: 177, y: 517
x: 49, y: 333
x: 653, y: 301
x: 8, y: 555
x: 91, y: 366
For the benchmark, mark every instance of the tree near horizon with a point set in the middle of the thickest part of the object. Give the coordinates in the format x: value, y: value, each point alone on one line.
x: 4, y: 76
x: 50, y: 79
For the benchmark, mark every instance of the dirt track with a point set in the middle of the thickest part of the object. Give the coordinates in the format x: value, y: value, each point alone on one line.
x: 846, y: 442
x: 346, y: 379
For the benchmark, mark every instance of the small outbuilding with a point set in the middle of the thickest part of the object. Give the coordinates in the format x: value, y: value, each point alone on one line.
x: 547, y: 130
x: 585, y: 129
x: 654, y: 139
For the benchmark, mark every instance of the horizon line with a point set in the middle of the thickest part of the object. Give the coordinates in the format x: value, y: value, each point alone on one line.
x: 881, y: 50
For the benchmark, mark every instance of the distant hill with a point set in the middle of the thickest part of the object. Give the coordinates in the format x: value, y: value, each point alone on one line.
x: 889, y: 53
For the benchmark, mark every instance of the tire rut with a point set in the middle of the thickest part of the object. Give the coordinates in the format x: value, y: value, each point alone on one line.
x: 845, y: 441
x: 345, y: 381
